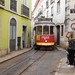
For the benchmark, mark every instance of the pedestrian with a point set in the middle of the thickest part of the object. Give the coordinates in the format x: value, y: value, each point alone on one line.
x: 70, y: 46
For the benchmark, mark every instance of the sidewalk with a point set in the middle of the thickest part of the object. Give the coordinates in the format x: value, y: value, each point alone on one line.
x: 63, y: 68
x: 13, y: 54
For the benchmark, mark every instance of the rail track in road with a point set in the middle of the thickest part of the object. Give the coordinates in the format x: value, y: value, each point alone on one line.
x: 20, y: 67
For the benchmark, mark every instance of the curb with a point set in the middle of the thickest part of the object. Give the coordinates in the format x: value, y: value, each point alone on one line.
x: 56, y: 73
x: 13, y: 54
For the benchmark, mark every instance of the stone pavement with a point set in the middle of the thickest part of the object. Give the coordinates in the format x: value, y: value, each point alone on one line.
x: 63, y: 68
x: 13, y: 54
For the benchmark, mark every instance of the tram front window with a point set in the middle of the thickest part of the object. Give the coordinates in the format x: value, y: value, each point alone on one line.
x: 51, y: 30
x: 45, y: 29
x: 39, y: 30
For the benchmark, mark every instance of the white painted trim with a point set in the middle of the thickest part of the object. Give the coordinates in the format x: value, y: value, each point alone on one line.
x: 9, y: 31
x: 26, y: 34
x: 17, y: 5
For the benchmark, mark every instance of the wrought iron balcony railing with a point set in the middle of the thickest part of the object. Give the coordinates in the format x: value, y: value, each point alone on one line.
x: 38, y: 15
x: 13, y: 5
x: 25, y: 10
x: 51, y: 1
x: 2, y: 2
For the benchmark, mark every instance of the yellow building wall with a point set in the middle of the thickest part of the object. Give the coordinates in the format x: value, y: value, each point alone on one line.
x: 5, y: 17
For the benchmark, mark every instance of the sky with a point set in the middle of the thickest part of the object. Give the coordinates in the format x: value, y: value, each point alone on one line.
x: 33, y: 2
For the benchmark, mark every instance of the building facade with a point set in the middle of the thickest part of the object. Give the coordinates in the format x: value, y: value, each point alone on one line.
x: 15, y: 21
x: 54, y: 9
x: 69, y: 15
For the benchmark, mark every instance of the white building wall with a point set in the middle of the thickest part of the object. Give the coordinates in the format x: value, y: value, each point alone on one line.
x: 58, y: 18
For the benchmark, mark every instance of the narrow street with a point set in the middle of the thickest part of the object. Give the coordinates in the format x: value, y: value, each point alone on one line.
x: 33, y: 63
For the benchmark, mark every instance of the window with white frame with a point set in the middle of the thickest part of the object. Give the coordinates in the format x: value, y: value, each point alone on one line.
x: 2, y: 2
x: 25, y: 2
x: 42, y: 8
x: 47, y: 3
x: 65, y: 1
x: 52, y: 11
x: 74, y: 5
x: 58, y: 6
x: 25, y: 9
x: 47, y: 14
x: 13, y: 5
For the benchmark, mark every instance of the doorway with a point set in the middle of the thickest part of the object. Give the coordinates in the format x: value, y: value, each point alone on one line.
x: 12, y: 34
x: 23, y: 36
x: 58, y: 35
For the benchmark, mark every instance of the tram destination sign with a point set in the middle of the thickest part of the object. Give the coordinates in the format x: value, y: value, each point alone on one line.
x: 45, y: 19
x: 73, y: 26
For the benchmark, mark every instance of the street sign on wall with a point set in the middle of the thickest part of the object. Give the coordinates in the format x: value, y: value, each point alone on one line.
x: 73, y: 26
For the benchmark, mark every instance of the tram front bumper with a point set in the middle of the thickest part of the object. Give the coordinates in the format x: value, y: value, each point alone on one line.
x: 45, y: 44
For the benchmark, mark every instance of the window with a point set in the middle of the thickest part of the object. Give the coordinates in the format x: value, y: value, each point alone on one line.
x: 47, y: 4
x: 2, y: 2
x: 12, y: 28
x: 62, y: 30
x: 45, y: 29
x: 58, y: 6
x: 65, y: 1
x: 25, y: 2
x: 13, y: 5
x: 39, y: 30
x: 72, y: 10
x: 25, y: 10
x: 51, y: 30
x: 52, y: 11
x: 47, y: 14
x: 74, y: 5
x: 42, y: 8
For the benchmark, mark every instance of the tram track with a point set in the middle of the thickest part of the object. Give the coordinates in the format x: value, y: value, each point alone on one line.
x: 28, y: 61
x: 33, y: 63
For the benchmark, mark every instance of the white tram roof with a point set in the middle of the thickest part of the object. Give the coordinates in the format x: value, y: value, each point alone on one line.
x: 44, y: 21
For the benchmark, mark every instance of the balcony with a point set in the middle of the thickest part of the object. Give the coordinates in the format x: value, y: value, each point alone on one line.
x: 25, y: 10
x: 38, y: 15
x: 2, y: 2
x: 51, y: 1
x: 13, y: 5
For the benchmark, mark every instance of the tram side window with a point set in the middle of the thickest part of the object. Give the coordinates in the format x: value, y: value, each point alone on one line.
x: 51, y: 30
x: 45, y: 29
x: 39, y: 30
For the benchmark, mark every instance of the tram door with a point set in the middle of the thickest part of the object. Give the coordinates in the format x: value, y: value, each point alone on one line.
x: 12, y: 34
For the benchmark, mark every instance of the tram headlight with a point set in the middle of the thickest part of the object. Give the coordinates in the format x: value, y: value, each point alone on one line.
x: 45, y: 40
